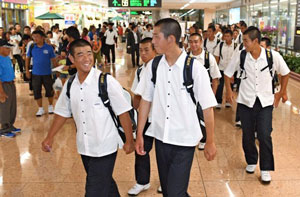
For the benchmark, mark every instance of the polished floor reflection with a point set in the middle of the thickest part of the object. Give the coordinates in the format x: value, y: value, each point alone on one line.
x: 27, y: 171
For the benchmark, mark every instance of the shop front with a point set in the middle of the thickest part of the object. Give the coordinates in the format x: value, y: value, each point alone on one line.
x: 275, y: 18
x: 12, y: 12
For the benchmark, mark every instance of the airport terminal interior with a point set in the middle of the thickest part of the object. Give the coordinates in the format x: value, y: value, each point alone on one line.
x: 27, y: 171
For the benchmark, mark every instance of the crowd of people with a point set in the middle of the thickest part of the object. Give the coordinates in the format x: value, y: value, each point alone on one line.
x: 175, y: 90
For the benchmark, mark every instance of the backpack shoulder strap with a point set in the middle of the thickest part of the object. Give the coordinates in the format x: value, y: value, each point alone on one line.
x: 103, y: 94
x: 138, y: 73
x: 69, y: 84
x: 221, y: 47
x: 235, y: 45
x: 241, y: 46
x: 155, y: 63
x: 188, y: 76
x: 31, y: 48
x: 205, y: 42
x: 206, y: 60
x: 242, y: 61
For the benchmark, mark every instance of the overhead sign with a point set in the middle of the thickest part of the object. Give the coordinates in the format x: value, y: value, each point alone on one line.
x: 134, y: 3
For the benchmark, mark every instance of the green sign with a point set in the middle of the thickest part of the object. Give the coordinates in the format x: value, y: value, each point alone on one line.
x: 134, y: 3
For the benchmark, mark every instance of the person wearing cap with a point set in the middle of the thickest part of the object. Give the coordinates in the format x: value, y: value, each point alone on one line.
x: 8, y: 99
x: 42, y: 55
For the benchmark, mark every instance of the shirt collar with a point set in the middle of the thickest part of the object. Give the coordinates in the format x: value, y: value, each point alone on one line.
x: 262, y: 55
x: 180, y: 60
x: 201, y: 55
x: 88, y: 80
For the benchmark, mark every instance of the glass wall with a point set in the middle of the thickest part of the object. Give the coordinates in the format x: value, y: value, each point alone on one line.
x: 279, y: 15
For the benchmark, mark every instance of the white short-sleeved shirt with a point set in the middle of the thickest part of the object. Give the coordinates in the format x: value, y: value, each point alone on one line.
x: 148, y: 34
x: 174, y: 117
x: 227, y: 52
x: 14, y: 38
x: 110, y: 37
x: 97, y: 134
x: 213, y: 66
x: 138, y: 86
x: 135, y: 82
x: 210, y: 45
x: 257, y: 83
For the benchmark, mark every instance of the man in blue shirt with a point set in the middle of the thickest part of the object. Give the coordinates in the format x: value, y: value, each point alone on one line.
x: 42, y: 55
x: 8, y: 100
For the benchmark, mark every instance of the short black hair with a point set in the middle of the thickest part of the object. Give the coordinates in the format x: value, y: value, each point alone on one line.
x: 267, y: 40
x: 196, y: 34
x: 78, y: 43
x: 73, y: 32
x: 253, y: 33
x: 169, y: 26
x: 49, y: 32
x: 148, y: 25
x: 212, y: 27
x: 147, y: 40
x: 40, y: 32
x: 26, y: 27
x: 26, y: 37
x: 228, y: 31
x: 243, y: 24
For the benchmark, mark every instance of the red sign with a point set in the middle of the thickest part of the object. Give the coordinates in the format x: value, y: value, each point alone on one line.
x: 16, y: 1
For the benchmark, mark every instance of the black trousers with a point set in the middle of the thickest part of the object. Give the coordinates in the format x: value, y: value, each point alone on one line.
x: 20, y: 62
x: 257, y: 119
x: 135, y: 55
x: 219, y: 94
x: 112, y: 49
x: 99, y: 180
x: 142, y: 162
x: 174, y: 166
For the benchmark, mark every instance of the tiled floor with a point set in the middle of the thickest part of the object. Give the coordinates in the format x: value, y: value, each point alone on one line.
x: 27, y: 171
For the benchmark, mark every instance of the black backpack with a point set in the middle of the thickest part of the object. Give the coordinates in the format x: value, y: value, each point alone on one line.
x: 103, y: 94
x: 206, y: 62
x: 275, y: 81
x: 188, y: 83
x: 205, y: 43
x: 138, y: 73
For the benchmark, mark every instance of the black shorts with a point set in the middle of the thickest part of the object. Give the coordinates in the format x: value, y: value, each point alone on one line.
x: 38, y: 81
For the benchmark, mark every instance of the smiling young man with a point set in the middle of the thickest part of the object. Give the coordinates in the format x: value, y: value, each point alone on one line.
x: 97, y: 136
x: 256, y: 98
x: 174, y: 122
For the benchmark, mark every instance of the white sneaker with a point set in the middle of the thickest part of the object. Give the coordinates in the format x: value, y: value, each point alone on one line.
x: 50, y: 109
x: 250, y: 169
x: 201, y: 146
x: 137, y: 188
x: 265, y: 176
x: 40, y: 112
x: 159, y: 190
x: 219, y: 106
x: 228, y: 105
x: 238, y: 124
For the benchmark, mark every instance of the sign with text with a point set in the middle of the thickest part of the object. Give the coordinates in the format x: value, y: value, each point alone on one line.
x: 134, y: 3
x: 69, y: 19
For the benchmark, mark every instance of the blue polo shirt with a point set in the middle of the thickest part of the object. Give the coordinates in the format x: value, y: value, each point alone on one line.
x: 41, y: 58
x: 7, y: 73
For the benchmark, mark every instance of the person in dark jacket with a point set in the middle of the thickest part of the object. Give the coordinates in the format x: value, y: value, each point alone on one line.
x: 133, y: 41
